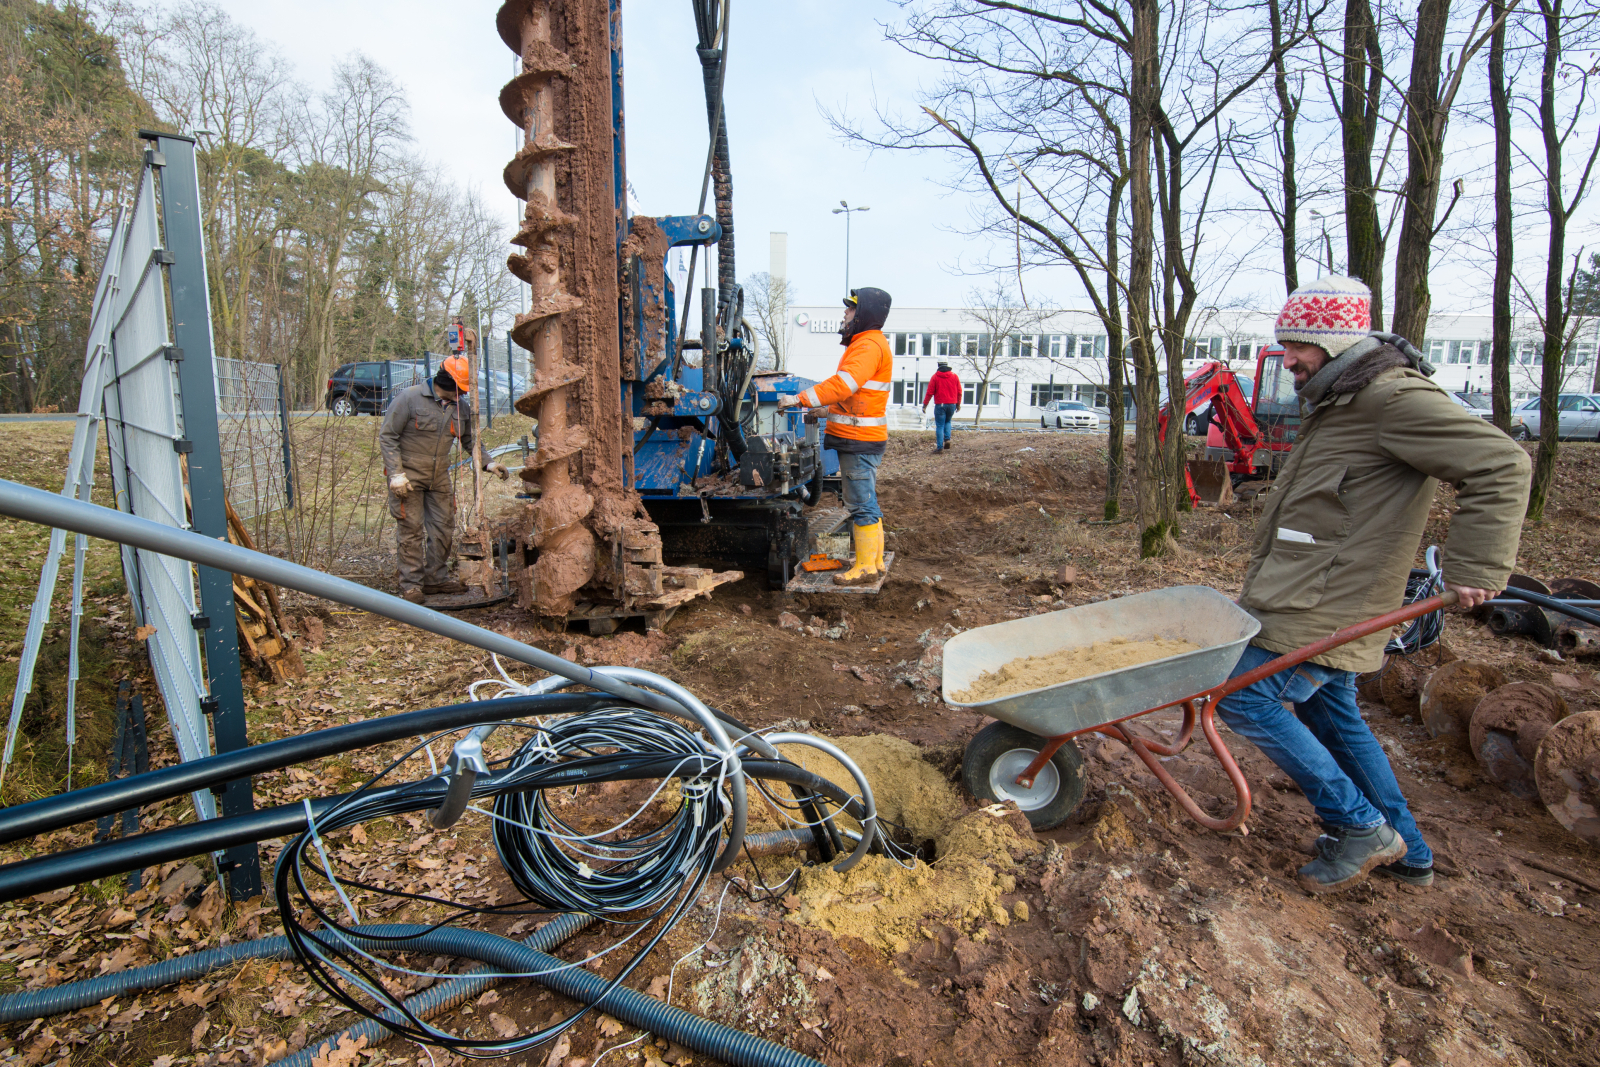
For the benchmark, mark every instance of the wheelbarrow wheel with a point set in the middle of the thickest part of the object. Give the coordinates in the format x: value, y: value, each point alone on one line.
x: 1000, y: 752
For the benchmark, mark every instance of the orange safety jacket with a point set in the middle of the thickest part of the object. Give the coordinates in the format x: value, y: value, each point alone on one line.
x: 857, y: 396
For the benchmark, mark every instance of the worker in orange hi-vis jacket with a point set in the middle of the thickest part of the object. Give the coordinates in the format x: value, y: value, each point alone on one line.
x: 857, y: 402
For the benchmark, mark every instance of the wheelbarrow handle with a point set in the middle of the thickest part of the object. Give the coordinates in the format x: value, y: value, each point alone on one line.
x: 1331, y: 642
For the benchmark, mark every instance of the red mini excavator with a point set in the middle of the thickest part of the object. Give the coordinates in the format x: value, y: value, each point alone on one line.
x: 1240, y: 426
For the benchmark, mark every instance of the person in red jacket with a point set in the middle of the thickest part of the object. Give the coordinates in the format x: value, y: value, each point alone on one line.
x: 857, y: 399
x: 944, y: 390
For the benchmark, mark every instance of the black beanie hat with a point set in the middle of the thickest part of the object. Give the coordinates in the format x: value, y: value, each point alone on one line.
x: 872, y: 311
x: 443, y: 380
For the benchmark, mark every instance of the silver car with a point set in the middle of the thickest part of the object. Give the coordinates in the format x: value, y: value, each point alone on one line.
x: 1579, y: 415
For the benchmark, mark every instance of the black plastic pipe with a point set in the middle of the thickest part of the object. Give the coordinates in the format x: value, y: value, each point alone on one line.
x: 1553, y: 604
x: 22, y: 821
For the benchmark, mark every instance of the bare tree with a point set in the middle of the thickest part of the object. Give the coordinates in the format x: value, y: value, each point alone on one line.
x: 1504, y: 252
x: 997, y: 351
x: 768, y: 303
x: 1560, y: 110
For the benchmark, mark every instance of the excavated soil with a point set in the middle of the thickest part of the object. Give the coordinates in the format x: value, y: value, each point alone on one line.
x: 1128, y: 937
x: 1036, y: 672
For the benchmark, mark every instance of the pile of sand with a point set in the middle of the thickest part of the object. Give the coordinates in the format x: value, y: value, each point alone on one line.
x: 890, y: 904
x: 1036, y: 672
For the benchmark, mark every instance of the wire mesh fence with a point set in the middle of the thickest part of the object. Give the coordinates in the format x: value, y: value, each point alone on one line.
x: 252, y: 423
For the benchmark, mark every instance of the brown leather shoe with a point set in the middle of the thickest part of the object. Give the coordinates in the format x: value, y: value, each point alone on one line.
x: 412, y: 595
x: 452, y: 586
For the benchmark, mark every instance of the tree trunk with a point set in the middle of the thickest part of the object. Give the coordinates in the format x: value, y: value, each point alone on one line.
x: 1544, y: 463
x: 1115, y: 454
x: 1500, y: 346
x: 1144, y: 94
x: 1288, y: 111
x: 1425, y: 126
x: 1360, y: 100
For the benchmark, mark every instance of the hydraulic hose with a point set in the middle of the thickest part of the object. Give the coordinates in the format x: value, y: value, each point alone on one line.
x: 57, y: 1000
x: 636, y: 1009
x: 440, y: 998
x: 22, y: 821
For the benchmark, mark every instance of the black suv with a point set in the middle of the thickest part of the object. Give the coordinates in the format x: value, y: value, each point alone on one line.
x: 367, y: 388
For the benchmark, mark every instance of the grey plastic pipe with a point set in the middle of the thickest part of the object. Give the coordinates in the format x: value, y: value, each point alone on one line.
x: 51, y: 509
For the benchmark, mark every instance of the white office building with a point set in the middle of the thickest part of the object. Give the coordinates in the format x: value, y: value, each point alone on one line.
x: 1064, y: 356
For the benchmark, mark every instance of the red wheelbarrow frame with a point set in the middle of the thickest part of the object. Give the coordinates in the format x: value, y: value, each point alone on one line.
x: 1201, y: 708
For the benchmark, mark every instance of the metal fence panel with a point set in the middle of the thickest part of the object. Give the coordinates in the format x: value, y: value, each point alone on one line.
x: 250, y: 426
x: 144, y: 428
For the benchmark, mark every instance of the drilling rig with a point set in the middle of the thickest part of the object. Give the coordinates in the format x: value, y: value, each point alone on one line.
x: 652, y: 447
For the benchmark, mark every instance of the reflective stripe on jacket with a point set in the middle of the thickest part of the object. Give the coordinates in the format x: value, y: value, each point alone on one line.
x: 1341, y: 525
x: 418, y: 430
x: 857, y: 396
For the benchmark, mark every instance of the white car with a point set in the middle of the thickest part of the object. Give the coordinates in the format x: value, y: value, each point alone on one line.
x: 1069, y: 415
x: 1579, y: 417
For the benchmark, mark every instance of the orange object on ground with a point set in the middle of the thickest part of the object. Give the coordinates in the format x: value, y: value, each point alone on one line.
x: 820, y: 562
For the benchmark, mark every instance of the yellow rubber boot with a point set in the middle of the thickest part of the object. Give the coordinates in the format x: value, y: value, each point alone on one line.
x: 869, y: 556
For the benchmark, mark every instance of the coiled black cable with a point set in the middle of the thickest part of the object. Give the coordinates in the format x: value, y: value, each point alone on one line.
x: 654, y: 875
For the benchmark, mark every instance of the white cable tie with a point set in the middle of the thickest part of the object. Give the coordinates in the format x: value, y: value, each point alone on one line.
x: 311, y: 824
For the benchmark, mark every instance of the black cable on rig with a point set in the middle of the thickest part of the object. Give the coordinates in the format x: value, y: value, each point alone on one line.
x: 1424, y: 630
x: 655, y: 874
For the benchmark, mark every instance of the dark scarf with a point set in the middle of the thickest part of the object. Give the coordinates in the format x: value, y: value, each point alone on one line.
x: 1355, y: 368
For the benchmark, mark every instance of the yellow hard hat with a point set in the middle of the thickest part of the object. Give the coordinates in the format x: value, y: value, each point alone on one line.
x: 458, y: 368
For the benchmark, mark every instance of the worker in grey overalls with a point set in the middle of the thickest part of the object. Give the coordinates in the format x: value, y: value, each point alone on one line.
x: 420, y: 427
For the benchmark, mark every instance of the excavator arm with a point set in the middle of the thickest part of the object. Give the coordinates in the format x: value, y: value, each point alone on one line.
x: 1218, y: 386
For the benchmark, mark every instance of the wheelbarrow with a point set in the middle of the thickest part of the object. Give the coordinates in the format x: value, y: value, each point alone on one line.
x: 1030, y: 755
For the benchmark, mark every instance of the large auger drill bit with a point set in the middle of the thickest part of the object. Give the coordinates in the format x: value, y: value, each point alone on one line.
x: 576, y: 359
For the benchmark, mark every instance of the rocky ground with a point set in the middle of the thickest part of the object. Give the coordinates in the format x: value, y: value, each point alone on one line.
x: 1129, y: 936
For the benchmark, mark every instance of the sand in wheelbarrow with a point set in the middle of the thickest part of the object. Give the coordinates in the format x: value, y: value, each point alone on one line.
x: 1037, y: 672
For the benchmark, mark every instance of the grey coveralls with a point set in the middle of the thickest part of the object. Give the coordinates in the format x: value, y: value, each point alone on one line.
x: 417, y: 433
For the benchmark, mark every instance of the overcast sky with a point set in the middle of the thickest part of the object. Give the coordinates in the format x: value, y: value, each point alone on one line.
x: 788, y: 62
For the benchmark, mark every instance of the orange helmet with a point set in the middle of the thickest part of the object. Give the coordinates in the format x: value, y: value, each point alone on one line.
x: 458, y: 369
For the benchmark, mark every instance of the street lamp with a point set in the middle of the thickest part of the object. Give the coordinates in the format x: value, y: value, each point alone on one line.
x: 845, y: 210
x: 1327, y: 244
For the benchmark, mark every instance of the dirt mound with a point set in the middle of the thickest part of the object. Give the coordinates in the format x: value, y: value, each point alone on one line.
x: 1036, y: 672
x: 891, y: 903
x: 912, y: 797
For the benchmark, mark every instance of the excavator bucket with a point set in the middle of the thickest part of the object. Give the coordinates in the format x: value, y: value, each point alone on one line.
x: 1209, y: 481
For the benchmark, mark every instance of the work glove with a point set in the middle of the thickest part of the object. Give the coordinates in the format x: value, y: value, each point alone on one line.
x: 400, y: 485
x: 497, y: 469
x: 788, y: 400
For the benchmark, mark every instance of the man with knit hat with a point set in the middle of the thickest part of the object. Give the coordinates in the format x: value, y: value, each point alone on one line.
x: 944, y: 391
x: 419, y: 428
x: 1334, y: 546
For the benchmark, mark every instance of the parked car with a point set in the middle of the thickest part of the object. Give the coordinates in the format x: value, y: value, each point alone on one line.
x: 367, y: 388
x: 1578, y: 414
x: 1069, y: 415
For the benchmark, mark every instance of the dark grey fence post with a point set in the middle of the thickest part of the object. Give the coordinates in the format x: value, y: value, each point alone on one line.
x: 191, y: 315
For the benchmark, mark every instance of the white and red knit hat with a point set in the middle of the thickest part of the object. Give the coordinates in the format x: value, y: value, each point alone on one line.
x: 1334, y: 312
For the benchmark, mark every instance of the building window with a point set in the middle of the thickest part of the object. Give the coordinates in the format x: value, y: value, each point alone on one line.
x: 1090, y: 347
x: 1529, y: 354
x: 1580, y: 353
x: 1438, y: 352
x: 941, y: 344
x: 1041, y: 393
x: 1483, y: 353
x: 1052, y: 345
x: 1030, y: 346
x: 899, y: 392
x: 969, y: 393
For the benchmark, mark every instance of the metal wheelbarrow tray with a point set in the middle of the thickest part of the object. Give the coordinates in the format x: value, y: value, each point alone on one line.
x: 1029, y: 757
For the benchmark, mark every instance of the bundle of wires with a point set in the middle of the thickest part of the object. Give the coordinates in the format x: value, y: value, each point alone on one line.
x: 654, y: 874
x: 1424, y: 630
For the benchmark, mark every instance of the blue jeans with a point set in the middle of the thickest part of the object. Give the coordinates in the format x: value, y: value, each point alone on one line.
x: 943, y: 415
x: 858, y: 472
x: 1324, y: 745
